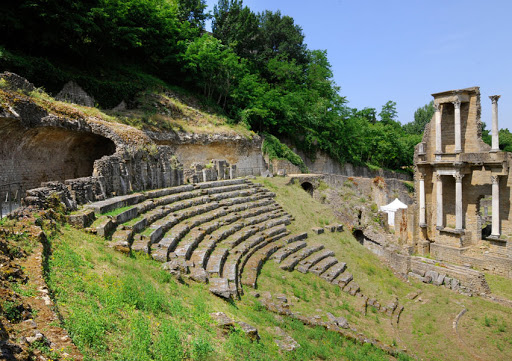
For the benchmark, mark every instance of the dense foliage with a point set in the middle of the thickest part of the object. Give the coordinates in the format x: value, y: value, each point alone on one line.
x: 255, y: 67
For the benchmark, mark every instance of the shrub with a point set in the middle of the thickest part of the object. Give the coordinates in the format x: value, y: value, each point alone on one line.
x: 277, y: 150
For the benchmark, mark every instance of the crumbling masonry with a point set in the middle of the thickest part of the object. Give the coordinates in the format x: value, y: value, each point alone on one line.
x: 455, y: 173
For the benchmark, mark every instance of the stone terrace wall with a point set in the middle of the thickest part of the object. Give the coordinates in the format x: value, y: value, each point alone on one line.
x: 243, y: 153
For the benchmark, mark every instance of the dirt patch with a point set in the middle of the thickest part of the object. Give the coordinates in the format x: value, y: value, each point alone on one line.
x: 29, y: 329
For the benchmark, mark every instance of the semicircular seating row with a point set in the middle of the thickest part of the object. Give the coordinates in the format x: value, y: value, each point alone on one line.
x: 224, y: 230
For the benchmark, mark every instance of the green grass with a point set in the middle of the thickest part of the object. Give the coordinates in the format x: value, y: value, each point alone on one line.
x: 127, y: 308
x: 500, y: 286
x: 117, y: 211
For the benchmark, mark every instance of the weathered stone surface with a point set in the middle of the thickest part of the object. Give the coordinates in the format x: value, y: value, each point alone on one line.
x: 199, y: 275
x: 343, y: 279
x: 338, y: 321
x: 222, y: 320
x: 220, y: 287
x: 73, y: 93
x: 317, y: 230
x: 176, y: 267
x: 82, y: 219
x: 105, y: 228
x: 250, y: 331
x: 323, y: 265
x: 334, y: 271
x: 286, y: 342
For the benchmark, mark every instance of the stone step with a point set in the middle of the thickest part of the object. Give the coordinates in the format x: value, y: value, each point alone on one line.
x: 334, y: 271
x: 292, y: 260
x: 126, y: 216
x: 253, y: 265
x: 275, y: 239
x: 221, y: 287
x: 221, y: 183
x: 202, y: 253
x: 123, y: 235
x: 159, y: 193
x: 227, y: 189
x: 113, y: 203
x: 312, y: 260
x: 323, y: 265
x: 231, y: 266
x: 343, y: 279
x: 157, y: 230
x: 216, y: 262
x: 288, y: 250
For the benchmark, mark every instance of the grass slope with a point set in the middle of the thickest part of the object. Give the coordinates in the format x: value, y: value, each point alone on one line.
x: 127, y: 308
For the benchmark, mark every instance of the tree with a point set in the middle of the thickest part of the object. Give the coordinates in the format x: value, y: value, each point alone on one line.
x: 237, y: 27
x: 193, y: 12
x: 388, y: 114
x: 422, y: 117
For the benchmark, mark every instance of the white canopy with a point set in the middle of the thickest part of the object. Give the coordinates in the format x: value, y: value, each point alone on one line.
x: 391, y: 208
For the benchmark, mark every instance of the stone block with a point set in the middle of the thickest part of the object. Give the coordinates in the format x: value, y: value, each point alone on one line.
x: 105, y: 228
x: 330, y: 228
x: 338, y: 321
x: 248, y: 330
x: 82, y: 219
x: 222, y: 320
x: 317, y: 230
x: 339, y: 228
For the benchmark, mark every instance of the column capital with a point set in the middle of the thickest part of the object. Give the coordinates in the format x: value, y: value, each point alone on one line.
x: 458, y: 177
x: 495, y: 179
x: 438, y: 177
x: 421, y: 176
x: 456, y: 104
x: 437, y: 107
x: 494, y: 98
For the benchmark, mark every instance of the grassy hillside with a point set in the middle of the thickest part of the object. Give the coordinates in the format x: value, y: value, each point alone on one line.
x: 126, y: 308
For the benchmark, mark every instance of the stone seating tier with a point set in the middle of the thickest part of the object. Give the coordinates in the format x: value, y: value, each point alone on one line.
x: 224, y: 230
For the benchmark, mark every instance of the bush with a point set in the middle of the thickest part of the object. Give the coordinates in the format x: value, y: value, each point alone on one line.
x: 277, y: 150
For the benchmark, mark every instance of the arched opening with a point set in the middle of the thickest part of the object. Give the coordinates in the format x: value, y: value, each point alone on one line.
x: 308, y: 187
x: 358, y: 235
x: 30, y: 156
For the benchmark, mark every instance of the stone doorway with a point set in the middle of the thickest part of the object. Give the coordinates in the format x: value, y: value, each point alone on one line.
x: 485, y: 215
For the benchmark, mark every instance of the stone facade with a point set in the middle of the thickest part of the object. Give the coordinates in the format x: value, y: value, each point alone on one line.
x: 456, y: 174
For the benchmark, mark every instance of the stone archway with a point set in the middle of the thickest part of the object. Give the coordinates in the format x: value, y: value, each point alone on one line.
x: 308, y: 187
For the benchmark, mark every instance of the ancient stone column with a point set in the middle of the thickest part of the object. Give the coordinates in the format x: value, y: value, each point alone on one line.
x: 439, y: 202
x: 438, y: 128
x: 422, y: 200
x: 495, y: 130
x: 458, y: 140
x: 495, y: 232
x: 458, y: 201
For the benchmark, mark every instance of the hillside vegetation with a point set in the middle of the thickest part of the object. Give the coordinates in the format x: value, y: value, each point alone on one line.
x: 125, y: 307
x: 255, y: 69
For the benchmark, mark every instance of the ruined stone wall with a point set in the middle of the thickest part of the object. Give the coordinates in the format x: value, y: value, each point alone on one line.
x: 33, y: 155
x: 241, y: 152
x: 379, y: 193
x: 323, y: 164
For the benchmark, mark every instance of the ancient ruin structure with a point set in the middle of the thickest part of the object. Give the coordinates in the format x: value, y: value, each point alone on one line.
x: 455, y: 171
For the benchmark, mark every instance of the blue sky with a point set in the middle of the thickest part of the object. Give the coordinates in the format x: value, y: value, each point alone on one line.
x: 405, y: 50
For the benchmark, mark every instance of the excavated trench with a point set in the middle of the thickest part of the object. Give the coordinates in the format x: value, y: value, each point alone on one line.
x: 31, y: 155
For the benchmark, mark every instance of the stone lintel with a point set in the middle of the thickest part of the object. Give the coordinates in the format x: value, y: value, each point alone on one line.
x: 450, y: 96
x: 459, y: 232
